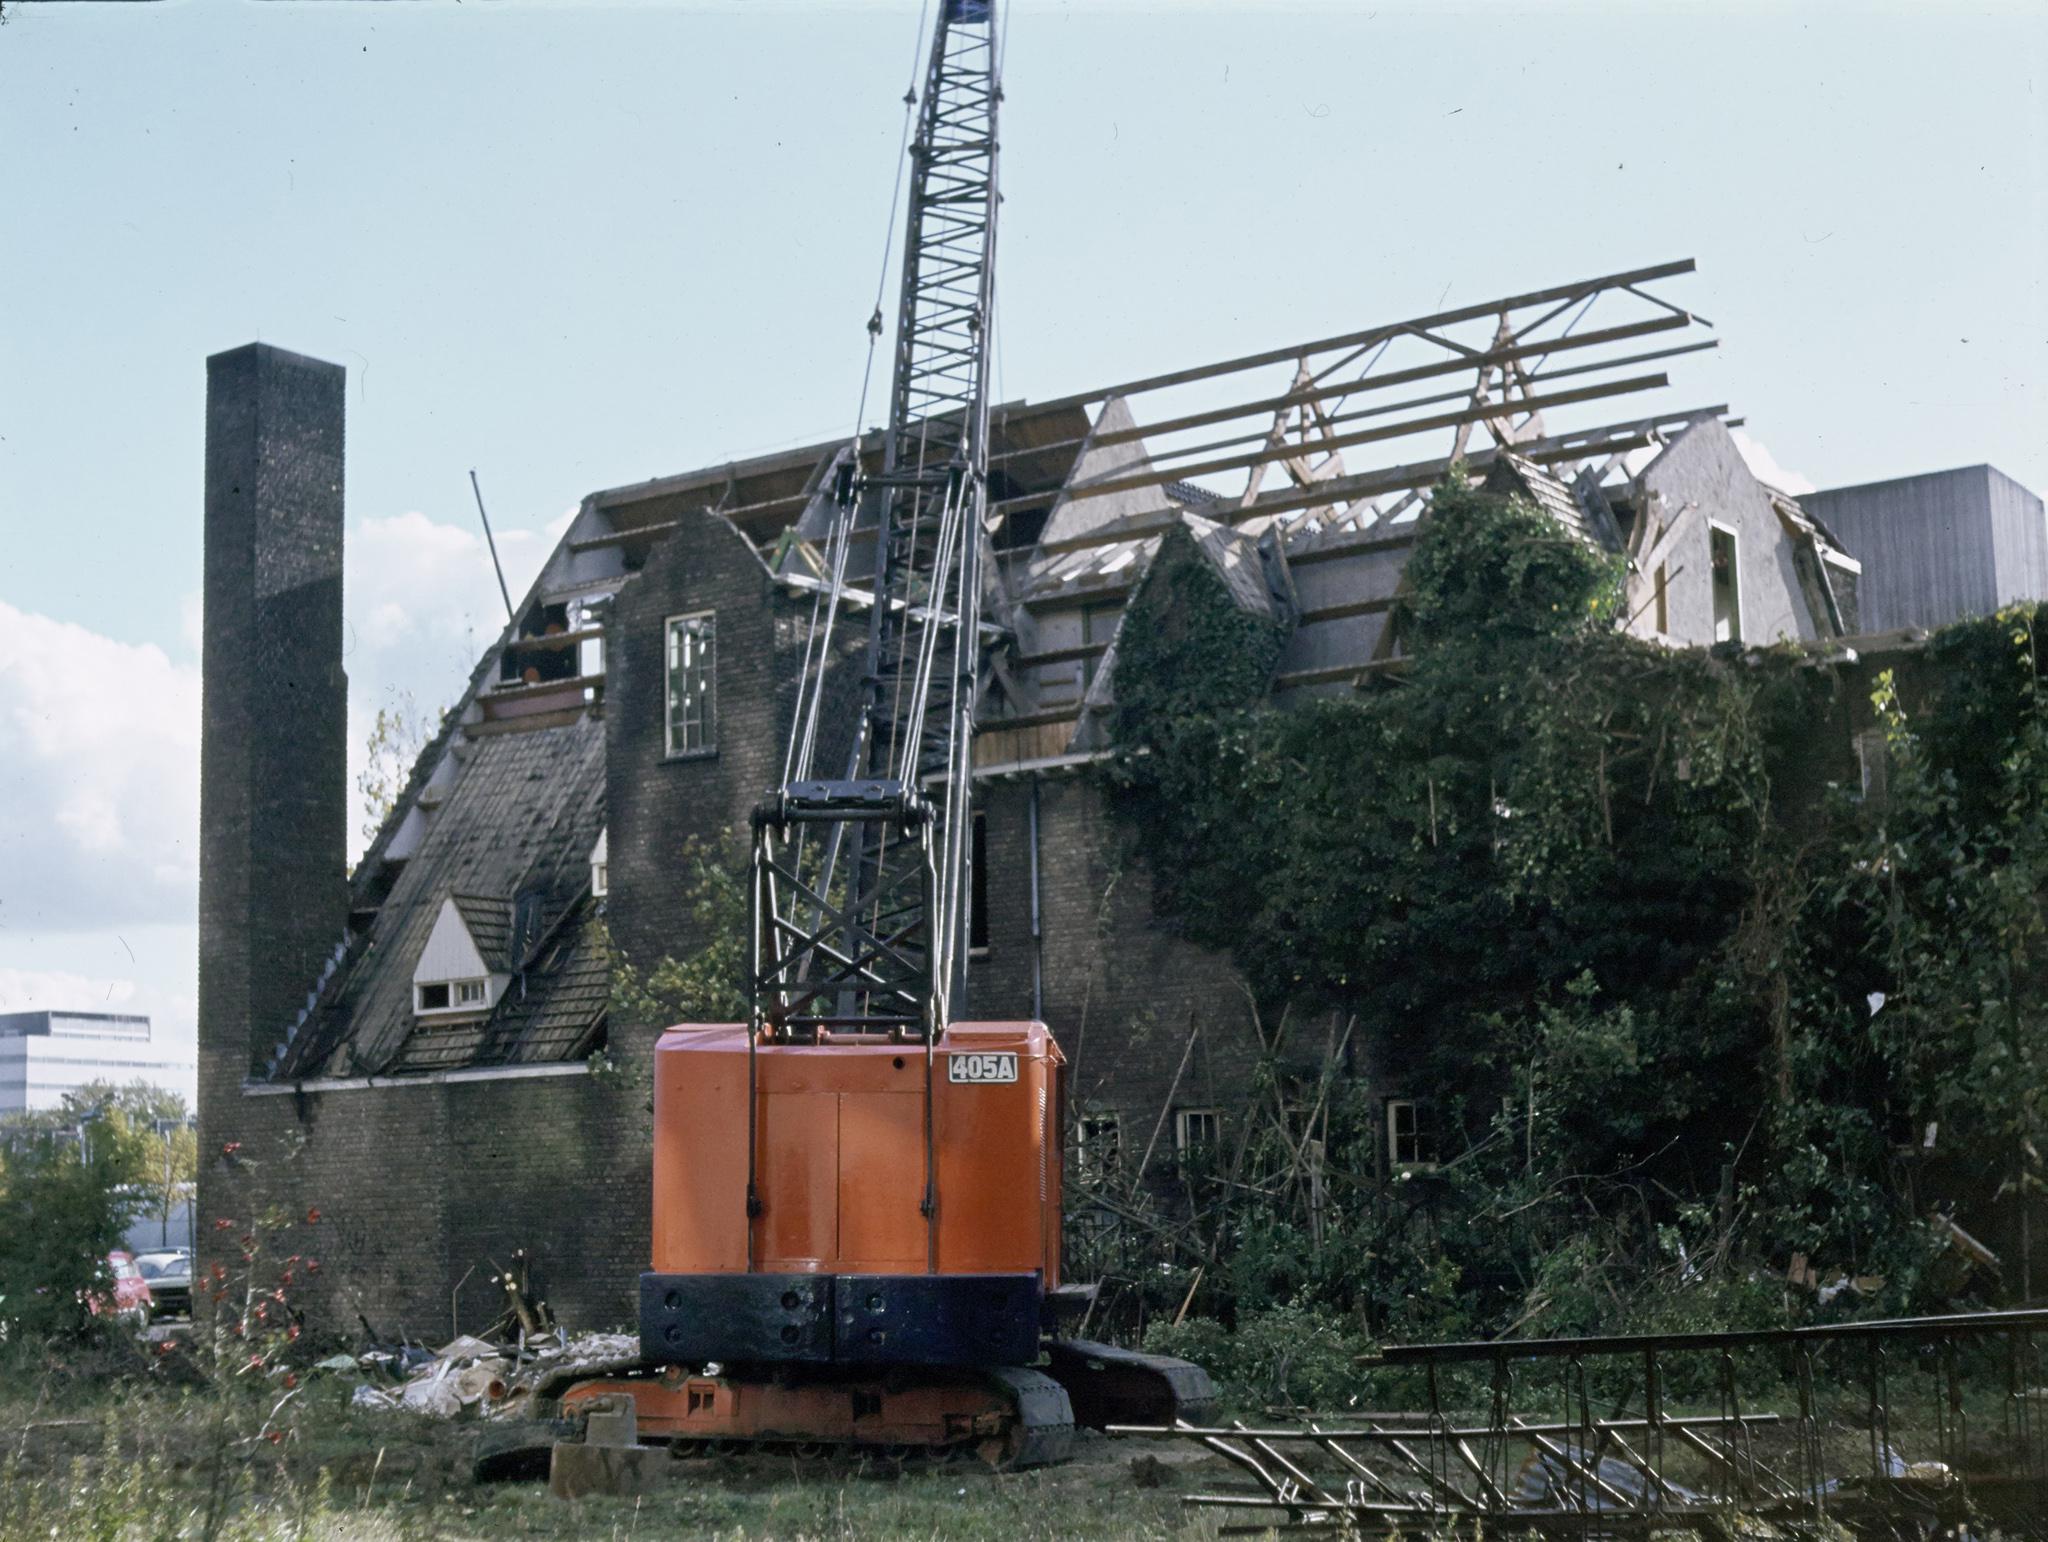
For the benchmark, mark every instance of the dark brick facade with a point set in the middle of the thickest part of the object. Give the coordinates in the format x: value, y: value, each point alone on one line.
x: 274, y: 761
x: 1120, y: 992
x: 659, y: 805
x: 422, y: 1186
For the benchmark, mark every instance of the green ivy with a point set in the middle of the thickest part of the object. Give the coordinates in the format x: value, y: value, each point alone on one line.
x: 1548, y: 873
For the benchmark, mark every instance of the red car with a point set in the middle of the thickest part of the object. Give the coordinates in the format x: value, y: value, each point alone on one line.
x: 130, y: 1300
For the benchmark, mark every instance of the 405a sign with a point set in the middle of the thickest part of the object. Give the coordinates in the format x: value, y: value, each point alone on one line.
x: 993, y: 1066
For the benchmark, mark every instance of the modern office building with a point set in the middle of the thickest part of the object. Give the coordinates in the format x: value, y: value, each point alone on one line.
x: 44, y: 1055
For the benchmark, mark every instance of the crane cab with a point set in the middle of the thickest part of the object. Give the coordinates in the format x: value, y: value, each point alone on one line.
x: 836, y: 1262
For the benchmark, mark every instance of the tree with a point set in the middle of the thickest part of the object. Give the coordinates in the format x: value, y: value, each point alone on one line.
x: 72, y: 1180
x: 401, y: 731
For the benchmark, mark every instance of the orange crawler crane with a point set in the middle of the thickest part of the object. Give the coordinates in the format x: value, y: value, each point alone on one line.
x: 857, y: 1199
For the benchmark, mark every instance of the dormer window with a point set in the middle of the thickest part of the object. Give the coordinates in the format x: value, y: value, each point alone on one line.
x: 600, y: 865
x: 463, y: 971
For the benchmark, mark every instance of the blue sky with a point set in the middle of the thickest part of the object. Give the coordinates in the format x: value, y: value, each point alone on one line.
x: 577, y: 245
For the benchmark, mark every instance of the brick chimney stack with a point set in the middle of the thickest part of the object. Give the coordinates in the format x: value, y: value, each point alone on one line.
x: 273, y: 804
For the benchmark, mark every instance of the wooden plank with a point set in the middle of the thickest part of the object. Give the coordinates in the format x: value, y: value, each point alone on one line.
x: 1378, y: 607
x: 1061, y: 599
x: 624, y: 537
x: 1458, y: 366
x: 1402, y: 430
x: 1607, y: 439
x: 1325, y: 676
x: 1373, y: 335
x: 1059, y: 655
x: 1352, y: 549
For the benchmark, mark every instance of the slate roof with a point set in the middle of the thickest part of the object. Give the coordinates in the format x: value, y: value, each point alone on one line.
x: 490, y: 928
x: 520, y: 815
x: 1511, y: 473
x: 554, y: 1009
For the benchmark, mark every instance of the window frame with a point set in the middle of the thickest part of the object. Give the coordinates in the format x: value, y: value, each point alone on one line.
x: 1736, y: 632
x: 453, y: 1001
x: 1420, y: 1139
x: 978, y: 935
x: 708, y: 732
x: 1183, y: 1142
x: 1098, y: 1143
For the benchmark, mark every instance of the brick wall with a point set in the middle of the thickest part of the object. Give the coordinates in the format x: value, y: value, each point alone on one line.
x: 1121, y: 993
x: 658, y: 805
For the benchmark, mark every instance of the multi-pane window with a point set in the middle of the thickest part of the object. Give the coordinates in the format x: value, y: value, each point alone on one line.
x: 692, y: 653
x: 451, y: 995
x: 1196, y: 1127
x: 1409, y: 1138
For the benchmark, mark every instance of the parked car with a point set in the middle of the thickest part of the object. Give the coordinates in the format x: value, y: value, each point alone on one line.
x: 169, y: 1274
x: 124, y: 1293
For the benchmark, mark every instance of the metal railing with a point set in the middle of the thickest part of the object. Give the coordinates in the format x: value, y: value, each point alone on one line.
x: 1925, y: 1420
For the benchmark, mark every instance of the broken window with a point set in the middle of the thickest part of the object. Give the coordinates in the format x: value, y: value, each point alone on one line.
x: 600, y: 864
x: 1727, y: 585
x: 1098, y: 1145
x: 977, y: 888
x: 452, y: 996
x: 1871, y: 765
x: 1410, y: 1141
x: 1196, y: 1128
x: 1098, y: 625
x: 692, y: 651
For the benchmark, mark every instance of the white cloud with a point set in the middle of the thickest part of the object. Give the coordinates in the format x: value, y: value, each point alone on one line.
x: 99, y: 778
x: 1764, y: 466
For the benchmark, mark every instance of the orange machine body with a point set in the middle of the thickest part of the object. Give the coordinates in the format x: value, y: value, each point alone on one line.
x: 840, y: 1155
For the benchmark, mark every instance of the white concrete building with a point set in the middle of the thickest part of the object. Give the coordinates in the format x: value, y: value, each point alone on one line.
x: 44, y: 1055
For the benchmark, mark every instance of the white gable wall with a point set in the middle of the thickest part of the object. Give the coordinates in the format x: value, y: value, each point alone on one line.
x: 449, y: 953
x: 1703, y: 481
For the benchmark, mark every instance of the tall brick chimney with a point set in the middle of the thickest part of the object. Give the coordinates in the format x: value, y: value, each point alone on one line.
x: 273, y: 802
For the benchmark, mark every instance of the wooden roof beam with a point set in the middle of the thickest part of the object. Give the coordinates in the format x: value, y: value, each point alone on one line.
x: 1373, y: 335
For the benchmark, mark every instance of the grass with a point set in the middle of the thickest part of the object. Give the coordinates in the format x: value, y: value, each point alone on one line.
x: 113, y: 1460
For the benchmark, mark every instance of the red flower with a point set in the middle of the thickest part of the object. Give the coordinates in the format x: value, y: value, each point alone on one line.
x: 312, y: 1266
x: 275, y: 1437
x: 290, y: 1381
x: 163, y: 1347
x: 223, y: 1223
x: 231, y: 1148
x: 313, y: 1216
x: 254, y: 1361
x: 219, y: 1271
x: 292, y: 1332
x: 285, y: 1278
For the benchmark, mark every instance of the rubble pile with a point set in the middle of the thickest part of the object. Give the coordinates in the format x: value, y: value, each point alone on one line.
x: 469, y: 1377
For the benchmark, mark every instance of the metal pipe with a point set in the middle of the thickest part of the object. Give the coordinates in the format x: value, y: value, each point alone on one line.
x: 1037, y: 930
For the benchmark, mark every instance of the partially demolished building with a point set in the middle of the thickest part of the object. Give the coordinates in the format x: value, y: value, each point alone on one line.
x: 426, y: 1050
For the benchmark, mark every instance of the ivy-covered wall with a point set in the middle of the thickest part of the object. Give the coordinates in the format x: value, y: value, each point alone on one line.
x: 1680, y: 1004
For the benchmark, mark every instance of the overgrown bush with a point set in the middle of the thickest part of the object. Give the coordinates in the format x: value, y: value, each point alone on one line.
x: 1293, y: 1355
x: 1669, y: 1036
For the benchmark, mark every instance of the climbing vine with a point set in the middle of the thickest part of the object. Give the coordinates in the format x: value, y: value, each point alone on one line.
x: 1671, y: 1009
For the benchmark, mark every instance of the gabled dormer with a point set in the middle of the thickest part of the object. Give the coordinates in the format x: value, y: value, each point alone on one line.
x: 463, y: 969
